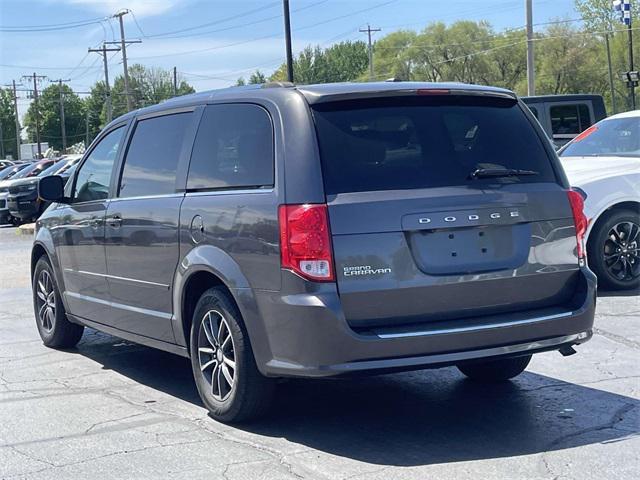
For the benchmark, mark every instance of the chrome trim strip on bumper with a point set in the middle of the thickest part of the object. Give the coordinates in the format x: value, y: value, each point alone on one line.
x: 472, y: 328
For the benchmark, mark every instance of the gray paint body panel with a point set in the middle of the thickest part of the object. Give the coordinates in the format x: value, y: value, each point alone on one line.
x: 426, y: 311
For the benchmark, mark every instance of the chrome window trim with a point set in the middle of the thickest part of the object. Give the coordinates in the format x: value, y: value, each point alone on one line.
x: 229, y: 191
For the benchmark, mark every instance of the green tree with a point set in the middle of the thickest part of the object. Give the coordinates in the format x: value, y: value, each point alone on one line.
x: 49, y: 113
x: 95, y: 105
x: 257, y: 77
x: 344, y: 61
x: 7, y: 124
x: 148, y: 86
x: 599, y: 15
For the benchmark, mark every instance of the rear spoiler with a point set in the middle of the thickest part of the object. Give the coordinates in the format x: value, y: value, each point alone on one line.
x: 326, y: 98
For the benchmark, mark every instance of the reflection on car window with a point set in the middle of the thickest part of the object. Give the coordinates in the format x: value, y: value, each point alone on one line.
x: 233, y: 149
x: 92, y: 181
x: 617, y: 137
x: 153, y: 154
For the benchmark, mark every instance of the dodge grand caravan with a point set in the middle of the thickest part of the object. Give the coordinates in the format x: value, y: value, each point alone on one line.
x: 280, y: 231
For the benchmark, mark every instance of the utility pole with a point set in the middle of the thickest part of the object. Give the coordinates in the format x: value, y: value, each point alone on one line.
x: 611, y: 87
x: 36, y: 79
x: 175, y: 82
x: 103, y: 51
x: 369, y: 31
x: 627, y: 21
x: 123, y: 47
x: 15, y: 113
x: 287, y: 40
x: 531, y: 73
x: 63, y: 127
x: 632, y: 77
x: 1, y: 141
x: 86, y: 126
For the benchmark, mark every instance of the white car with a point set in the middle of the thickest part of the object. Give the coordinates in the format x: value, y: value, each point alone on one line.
x: 604, y: 162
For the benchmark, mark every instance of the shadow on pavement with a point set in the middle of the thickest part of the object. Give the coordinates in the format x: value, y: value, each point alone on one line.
x: 406, y: 419
x: 617, y: 293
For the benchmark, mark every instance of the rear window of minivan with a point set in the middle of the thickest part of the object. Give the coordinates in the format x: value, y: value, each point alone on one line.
x: 395, y: 143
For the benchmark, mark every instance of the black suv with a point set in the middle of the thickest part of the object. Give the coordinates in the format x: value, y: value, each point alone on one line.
x: 279, y: 231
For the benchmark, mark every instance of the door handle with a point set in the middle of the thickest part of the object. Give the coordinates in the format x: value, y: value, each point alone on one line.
x: 95, y: 222
x: 114, y: 221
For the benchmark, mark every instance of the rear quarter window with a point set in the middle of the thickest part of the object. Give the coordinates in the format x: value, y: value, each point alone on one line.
x: 233, y: 149
x: 423, y: 142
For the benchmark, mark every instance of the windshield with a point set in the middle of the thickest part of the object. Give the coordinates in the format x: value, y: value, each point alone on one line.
x: 53, y: 169
x: 31, y: 171
x: 9, y: 172
x: 616, y: 137
x: 422, y: 142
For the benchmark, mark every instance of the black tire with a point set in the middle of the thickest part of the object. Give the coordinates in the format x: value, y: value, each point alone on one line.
x: 251, y: 393
x: 603, y: 243
x: 495, y: 370
x: 55, y: 329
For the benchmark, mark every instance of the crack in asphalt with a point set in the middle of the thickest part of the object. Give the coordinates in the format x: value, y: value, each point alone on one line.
x: 617, y: 338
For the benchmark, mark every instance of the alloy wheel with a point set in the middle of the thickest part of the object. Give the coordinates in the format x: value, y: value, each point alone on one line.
x: 216, y: 355
x: 46, y: 301
x: 621, y: 251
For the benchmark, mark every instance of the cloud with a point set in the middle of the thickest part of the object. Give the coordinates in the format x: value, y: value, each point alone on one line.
x: 141, y: 8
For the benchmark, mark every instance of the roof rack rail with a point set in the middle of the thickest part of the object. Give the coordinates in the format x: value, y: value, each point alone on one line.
x: 278, y: 85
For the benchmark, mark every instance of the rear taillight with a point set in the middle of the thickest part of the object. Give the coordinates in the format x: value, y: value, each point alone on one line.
x: 581, y: 221
x: 305, y: 241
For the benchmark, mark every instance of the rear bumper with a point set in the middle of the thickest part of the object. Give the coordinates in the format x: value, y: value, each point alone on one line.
x: 306, y: 335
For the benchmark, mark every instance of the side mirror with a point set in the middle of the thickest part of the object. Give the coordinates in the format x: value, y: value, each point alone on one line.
x: 51, y: 189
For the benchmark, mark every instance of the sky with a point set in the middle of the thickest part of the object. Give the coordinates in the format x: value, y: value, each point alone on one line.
x: 213, y: 42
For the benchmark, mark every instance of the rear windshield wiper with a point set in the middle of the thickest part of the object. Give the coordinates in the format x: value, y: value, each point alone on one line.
x: 501, y: 172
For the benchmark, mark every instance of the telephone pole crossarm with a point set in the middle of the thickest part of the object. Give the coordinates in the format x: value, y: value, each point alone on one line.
x: 369, y: 31
x: 103, y: 51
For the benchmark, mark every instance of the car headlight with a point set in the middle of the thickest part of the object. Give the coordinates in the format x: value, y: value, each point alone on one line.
x: 32, y: 187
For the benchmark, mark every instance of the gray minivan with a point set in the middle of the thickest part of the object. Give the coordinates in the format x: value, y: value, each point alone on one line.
x: 278, y: 231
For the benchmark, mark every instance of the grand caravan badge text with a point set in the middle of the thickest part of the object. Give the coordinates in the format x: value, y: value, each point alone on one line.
x: 364, y: 270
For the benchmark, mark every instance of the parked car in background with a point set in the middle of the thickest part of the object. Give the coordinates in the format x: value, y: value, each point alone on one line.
x: 5, y: 163
x: 23, y: 201
x: 279, y: 231
x: 604, y: 161
x: 5, y: 174
x: 563, y: 117
x: 26, y: 170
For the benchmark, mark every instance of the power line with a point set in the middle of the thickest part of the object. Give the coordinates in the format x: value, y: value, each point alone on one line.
x: 265, y: 37
x: 49, y: 28
x: 215, y: 22
x: 241, y: 25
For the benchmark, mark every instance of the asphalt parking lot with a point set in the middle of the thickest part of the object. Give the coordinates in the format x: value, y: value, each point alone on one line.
x: 113, y: 409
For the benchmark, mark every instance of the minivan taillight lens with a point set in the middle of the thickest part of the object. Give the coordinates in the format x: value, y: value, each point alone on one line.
x: 305, y: 241
x: 581, y: 221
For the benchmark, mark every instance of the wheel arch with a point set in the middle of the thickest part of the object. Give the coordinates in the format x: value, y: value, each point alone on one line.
x: 598, y: 219
x: 206, y: 267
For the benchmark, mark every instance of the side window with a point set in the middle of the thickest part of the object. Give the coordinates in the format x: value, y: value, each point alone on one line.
x: 94, y: 176
x: 152, y: 158
x: 569, y: 120
x: 233, y: 149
